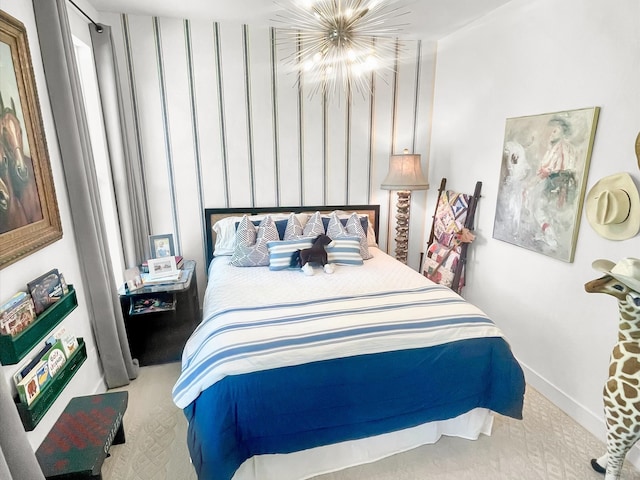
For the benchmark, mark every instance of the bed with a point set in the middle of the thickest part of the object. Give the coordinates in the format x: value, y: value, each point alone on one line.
x: 290, y: 376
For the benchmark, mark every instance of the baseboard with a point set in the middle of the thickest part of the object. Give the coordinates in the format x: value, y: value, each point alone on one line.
x: 587, y: 419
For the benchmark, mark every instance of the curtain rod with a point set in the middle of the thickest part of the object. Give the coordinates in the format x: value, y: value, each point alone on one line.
x: 98, y: 27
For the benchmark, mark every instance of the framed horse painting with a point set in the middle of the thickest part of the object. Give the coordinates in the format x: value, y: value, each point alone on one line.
x: 29, y: 216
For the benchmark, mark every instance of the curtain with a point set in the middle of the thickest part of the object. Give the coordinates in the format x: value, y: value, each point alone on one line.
x: 17, y: 460
x: 67, y: 105
x: 127, y: 169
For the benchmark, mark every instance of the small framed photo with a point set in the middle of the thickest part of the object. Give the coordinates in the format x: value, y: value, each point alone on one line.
x: 161, y: 245
x: 162, y: 267
x: 132, y: 278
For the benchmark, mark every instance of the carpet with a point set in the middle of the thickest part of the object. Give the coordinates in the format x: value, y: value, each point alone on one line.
x: 546, y: 445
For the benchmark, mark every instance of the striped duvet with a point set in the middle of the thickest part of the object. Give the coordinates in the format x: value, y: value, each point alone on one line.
x: 375, y: 348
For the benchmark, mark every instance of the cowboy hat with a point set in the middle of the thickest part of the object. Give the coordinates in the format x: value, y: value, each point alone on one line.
x: 626, y: 270
x: 613, y: 207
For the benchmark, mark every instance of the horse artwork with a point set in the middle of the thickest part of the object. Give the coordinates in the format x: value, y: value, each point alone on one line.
x: 11, y: 213
x: 17, y: 173
x: 316, y: 254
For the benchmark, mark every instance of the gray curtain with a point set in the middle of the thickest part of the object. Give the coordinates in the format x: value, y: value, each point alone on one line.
x: 65, y: 95
x: 127, y: 169
x: 17, y: 460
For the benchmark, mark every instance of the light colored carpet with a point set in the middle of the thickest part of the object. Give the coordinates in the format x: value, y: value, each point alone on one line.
x: 546, y: 445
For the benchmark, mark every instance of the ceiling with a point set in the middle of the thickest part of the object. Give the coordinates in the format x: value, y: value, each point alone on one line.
x: 428, y: 19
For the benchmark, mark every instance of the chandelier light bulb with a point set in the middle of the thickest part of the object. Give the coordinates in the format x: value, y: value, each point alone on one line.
x: 333, y: 36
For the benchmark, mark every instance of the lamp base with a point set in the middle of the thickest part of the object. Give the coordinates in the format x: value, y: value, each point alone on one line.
x: 402, y: 225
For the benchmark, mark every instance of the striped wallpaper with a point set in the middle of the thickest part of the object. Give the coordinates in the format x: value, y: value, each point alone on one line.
x: 217, y: 114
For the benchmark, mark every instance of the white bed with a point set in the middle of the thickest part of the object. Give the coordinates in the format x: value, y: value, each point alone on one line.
x: 245, y: 307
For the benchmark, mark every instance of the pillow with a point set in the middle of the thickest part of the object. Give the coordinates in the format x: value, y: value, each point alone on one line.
x: 335, y: 227
x: 293, y: 229
x: 280, y: 252
x: 225, y: 230
x: 346, y: 251
x: 354, y: 227
x: 251, y: 247
x: 314, y: 226
x: 364, y: 221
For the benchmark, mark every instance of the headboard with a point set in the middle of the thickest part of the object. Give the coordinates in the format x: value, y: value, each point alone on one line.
x: 212, y: 215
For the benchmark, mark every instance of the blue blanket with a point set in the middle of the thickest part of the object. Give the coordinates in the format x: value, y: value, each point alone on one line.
x: 347, y: 398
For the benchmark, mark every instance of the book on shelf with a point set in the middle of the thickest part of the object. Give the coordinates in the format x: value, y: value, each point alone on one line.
x: 173, y: 277
x: 17, y: 314
x: 45, y: 290
x: 32, y: 378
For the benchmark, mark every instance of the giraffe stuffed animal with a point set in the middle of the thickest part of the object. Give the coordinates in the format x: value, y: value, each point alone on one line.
x: 621, y: 393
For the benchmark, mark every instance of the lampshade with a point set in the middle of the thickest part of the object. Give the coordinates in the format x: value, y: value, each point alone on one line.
x: 405, y: 173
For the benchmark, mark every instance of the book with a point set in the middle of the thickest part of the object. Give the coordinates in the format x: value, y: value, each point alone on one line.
x: 30, y: 364
x: 174, y: 277
x: 19, y: 314
x: 69, y: 341
x: 29, y: 387
x: 45, y: 290
x: 34, y: 377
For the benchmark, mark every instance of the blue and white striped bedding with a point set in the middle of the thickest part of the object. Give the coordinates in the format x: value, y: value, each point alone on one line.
x: 264, y: 328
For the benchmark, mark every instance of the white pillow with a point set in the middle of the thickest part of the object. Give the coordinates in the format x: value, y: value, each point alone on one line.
x: 225, y: 230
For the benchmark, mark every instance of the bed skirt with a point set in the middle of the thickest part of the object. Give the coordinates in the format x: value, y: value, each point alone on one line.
x: 331, y: 458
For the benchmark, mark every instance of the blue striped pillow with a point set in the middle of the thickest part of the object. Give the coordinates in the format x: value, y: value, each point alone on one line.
x: 280, y: 252
x: 345, y: 251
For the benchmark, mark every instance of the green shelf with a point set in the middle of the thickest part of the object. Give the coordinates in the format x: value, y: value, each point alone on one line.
x: 15, y: 348
x: 32, y: 414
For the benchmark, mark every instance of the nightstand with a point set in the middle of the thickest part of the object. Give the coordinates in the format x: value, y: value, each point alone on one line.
x: 158, y: 334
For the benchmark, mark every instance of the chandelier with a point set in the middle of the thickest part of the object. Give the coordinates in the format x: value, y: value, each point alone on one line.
x: 341, y: 42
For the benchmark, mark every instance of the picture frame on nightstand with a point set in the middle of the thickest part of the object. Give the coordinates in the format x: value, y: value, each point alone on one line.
x: 161, y: 245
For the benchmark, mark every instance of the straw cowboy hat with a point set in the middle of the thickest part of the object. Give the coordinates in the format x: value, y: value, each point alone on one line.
x: 626, y: 270
x: 613, y: 207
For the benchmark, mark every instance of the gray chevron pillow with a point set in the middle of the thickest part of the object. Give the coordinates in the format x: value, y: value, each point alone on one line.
x: 251, y: 244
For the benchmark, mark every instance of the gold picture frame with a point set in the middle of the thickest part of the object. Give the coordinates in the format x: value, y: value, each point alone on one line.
x: 545, y: 163
x: 29, y: 216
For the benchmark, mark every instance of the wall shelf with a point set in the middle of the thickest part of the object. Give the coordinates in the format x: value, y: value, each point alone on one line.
x: 15, y: 348
x: 32, y: 414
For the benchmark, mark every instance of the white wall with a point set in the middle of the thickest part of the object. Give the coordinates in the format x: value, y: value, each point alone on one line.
x: 61, y: 254
x: 240, y: 135
x: 531, y: 58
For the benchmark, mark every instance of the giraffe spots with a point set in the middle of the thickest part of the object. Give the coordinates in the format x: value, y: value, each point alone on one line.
x: 616, y: 354
x: 629, y: 391
x: 612, y: 386
x: 625, y: 315
x: 631, y: 366
x: 633, y: 348
x: 624, y: 326
x: 627, y: 422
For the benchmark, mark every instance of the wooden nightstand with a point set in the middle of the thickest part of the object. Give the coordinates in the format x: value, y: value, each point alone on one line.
x: 159, y: 335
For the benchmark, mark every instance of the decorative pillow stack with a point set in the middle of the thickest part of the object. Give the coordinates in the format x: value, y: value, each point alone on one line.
x: 345, y: 251
x: 314, y: 226
x: 353, y: 228
x: 281, y: 252
x: 251, y: 244
x: 294, y: 228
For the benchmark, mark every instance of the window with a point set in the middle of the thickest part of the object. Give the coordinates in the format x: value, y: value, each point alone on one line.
x: 89, y: 82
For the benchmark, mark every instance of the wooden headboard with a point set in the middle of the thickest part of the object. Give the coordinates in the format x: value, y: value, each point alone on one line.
x: 212, y: 215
